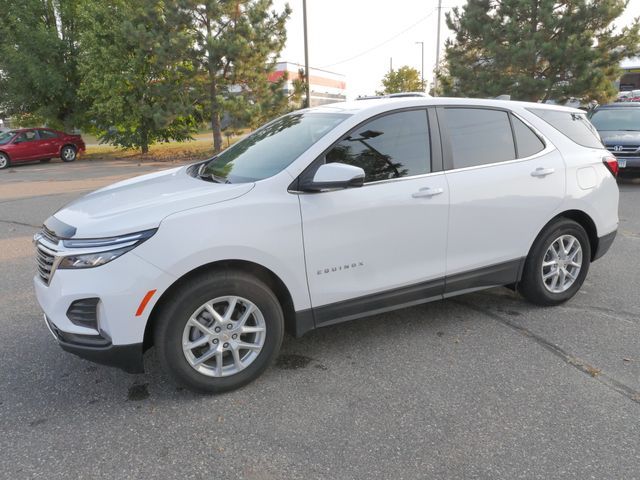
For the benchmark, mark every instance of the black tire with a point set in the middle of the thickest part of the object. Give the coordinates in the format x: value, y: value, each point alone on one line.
x: 176, y: 311
x: 4, y: 161
x: 45, y: 160
x: 68, y: 153
x: 532, y: 286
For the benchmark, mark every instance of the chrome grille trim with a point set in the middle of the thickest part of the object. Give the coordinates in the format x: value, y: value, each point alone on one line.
x: 46, y: 255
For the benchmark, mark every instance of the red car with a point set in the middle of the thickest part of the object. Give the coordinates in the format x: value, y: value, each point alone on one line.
x: 30, y: 144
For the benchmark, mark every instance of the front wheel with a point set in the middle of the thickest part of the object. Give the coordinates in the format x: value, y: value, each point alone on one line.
x: 557, y: 264
x: 219, y: 331
x: 68, y: 153
x: 4, y: 161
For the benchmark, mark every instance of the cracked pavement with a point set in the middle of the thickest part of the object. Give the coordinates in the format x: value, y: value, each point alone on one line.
x: 479, y: 386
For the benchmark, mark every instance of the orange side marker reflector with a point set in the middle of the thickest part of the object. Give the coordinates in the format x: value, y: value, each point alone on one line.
x: 145, y: 300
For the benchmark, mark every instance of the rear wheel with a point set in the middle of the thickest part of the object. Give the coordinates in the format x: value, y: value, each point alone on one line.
x: 219, y: 331
x: 4, y: 161
x: 557, y: 264
x: 68, y: 153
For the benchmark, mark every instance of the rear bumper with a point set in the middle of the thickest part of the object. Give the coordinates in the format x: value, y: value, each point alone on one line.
x: 604, y: 244
x: 99, y: 349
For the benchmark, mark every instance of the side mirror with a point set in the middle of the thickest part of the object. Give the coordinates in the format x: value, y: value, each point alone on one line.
x: 333, y: 176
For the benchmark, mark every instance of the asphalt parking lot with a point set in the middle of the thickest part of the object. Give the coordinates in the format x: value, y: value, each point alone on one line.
x: 480, y: 386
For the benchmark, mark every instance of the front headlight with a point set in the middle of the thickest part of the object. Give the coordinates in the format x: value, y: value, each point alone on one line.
x: 93, y: 252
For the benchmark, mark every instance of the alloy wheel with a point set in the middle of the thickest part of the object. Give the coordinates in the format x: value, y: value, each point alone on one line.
x: 224, y: 336
x: 561, y: 264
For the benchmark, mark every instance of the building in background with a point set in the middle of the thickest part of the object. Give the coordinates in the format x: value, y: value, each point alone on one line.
x: 325, y: 87
x: 630, y: 79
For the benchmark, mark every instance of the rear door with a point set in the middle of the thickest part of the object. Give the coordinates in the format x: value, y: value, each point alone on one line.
x: 505, y: 183
x: 49, y: 143
x: 370, y: 248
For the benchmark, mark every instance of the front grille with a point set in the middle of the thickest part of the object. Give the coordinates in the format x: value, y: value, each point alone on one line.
x: 624, y: 150
x: 46, y: 249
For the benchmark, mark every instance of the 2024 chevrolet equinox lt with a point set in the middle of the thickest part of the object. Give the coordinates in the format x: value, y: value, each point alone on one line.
x: 321, y: 216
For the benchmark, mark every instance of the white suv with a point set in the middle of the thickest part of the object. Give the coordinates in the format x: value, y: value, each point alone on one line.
x: 321, y: 216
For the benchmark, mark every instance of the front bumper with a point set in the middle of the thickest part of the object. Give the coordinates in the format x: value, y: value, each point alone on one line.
x: 99, y: 349
x: 626, y: 164
x: 120, y: 286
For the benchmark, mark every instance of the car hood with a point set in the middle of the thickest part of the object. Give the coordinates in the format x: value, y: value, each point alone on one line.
x: 139, y: 203
x: 620, y: 137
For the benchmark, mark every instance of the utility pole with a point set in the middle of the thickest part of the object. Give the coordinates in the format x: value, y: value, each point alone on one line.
x: 435, y: 76
x: 306, y: 56
x: 422, y: 67
x: 390, y: 64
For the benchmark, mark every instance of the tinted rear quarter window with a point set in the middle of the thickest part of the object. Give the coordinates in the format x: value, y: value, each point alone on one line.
x: 479, y: 136
x: 575, y: 126
x: 527, y: 142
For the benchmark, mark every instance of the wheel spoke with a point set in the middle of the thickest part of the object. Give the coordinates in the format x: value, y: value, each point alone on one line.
x: 219, y: 363
x: 196, y: 324
x: 572, y: 241
x: 232, y: 306
x: 252, y: 329
x: 235, y: 352
x: 246, y: 315
x: 203, y: 340
x: 550, y: 263
x: 206, y: 357
x: 216, y: 316
x: 248, y: 346
x: 550, y: 274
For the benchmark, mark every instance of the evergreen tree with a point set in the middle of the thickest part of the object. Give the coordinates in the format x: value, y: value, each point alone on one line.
x: 38, y: 62
x: 405, y: 79
x: 236, y: 46
x: 137, y: 73
x: 537, y: 50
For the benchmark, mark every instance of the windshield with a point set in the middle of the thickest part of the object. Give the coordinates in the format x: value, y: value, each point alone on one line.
x: 6, y: 137
x: 270, y: 149
x: 608, y: 119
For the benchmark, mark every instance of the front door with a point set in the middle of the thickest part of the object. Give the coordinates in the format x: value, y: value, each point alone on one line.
x: 25, y: 146
x: 381, y: 245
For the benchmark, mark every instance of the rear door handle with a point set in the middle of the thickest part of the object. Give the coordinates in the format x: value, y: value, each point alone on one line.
x: 542, y: 172
x: 427, y: 192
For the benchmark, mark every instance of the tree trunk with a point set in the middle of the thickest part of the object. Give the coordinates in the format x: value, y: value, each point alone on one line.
x: 215, y: 117
x: 144, y: 140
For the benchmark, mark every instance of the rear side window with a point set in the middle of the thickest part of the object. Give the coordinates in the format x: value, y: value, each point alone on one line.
x: 46, y: 134
x: 479, y: 136
x: 393, y: 146
x: 527, y: 142
x: 572, y: 125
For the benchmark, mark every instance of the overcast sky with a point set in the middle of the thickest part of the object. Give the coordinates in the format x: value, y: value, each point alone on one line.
x: 345, y: 36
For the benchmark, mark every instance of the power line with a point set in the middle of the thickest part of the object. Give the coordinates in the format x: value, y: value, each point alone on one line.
x: 381, y: 44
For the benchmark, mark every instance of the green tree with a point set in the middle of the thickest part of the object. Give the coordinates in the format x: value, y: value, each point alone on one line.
x: 236, y: 46
x: 405, y: 79
x: 537, y: 50
x: 137, y: 73
x: 38, y: 62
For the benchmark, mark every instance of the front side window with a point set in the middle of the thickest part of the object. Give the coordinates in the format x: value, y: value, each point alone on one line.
x: 392, y: 146
x: 27, y: 136
x: 270, y: 149
x: 617, y: 119
x: 479, y: 136
x: 573, y: 125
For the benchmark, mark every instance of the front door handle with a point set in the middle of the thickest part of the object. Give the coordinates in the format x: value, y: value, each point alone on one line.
x: 427, y: 192
x: 542, y: 172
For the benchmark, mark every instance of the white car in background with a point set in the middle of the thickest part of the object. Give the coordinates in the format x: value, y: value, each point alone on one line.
x: 322, y: 216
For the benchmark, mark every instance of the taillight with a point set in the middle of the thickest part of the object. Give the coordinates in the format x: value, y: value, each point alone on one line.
x: 612, y: 164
